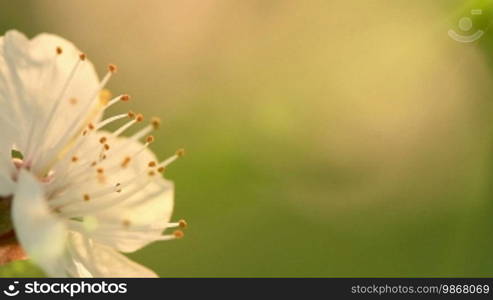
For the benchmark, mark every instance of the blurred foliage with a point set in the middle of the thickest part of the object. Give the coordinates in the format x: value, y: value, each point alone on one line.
x: 323, y: 138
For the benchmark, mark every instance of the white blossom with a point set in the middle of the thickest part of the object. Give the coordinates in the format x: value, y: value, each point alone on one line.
x: 80, y: 195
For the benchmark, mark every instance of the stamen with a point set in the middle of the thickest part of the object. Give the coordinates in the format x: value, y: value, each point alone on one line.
x: 125, y: 97
x: 182, y: 224
x: 143, y: 132
x: 178, y: 234
x: 135, y: 118
x: 112, y: 68
x: 100, y: 87
x: 110, y: 120
x: 179, y: 153
x: 156, y: 122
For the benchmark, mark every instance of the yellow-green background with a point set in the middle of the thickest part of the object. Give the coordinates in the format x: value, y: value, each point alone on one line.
x: 323, y: 137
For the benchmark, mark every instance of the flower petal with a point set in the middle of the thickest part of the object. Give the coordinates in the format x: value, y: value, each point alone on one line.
x: 41, y: 233
x: 36, y: 85
x: 102, y: 261
x: 137, y: 222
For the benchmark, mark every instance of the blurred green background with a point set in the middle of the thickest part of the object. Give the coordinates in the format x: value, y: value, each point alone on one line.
x: 324, y: 138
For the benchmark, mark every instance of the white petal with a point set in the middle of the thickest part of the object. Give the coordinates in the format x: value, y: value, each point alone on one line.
x: 137, y: 222
x: 32, y: 78
x: 41, y: 233
x: 102, y: 261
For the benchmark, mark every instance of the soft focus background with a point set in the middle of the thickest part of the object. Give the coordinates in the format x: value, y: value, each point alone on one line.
x: 323, y: 137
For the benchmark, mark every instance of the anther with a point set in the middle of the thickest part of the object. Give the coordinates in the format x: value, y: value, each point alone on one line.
x: 156, y: 122
x: 183, y: 223
x: 131, y: 115
x: 103, y: 140
x: 151, y: 173
x: 100, y: 170
x: 126, y: 161
x: 73, y: 101
x: 112, y: 68
x: 90, y: 126
x: 75, y: 158
x: 161, y: 169
x: 178, y: 234
x: 86, y: 197
x: 152, y: 164
x: 125, y: 97
x: 59, y: 50
x: 139, y: 118
x: 82, y: 56
x: 149, y: 139
x: 126, y: 223
x: 180, y: 152
x: 106, y: 147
